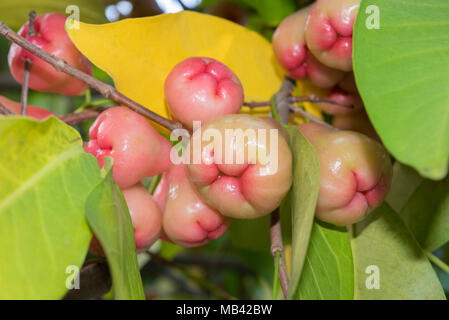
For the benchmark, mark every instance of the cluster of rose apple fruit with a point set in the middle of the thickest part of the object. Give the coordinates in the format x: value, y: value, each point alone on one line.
x: 195, y: 202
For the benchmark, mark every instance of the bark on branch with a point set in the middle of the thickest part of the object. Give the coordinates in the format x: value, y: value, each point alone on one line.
x: 105, y: 89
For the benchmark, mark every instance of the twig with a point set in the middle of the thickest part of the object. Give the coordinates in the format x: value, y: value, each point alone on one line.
x: 277, y: 249
x: 294, y: 99
x: 5, y: 110
x: 314, y: 99
x: 75, y: 118
x: 282, y: 104
x: 307, y: 115
x: 256, y: 104
x: 105, y: 89
x: 26, y: 72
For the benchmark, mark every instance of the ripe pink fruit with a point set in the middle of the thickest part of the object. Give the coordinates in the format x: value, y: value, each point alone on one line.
x: 322, y: 75
x: 145, y: 215
x: 329, y: 31
x: 138, y: 150
x: 289, y: 44
x: 32, y: 111
x: 146, y: 219
x: 187, y: 220
x: 202, y: 89
x: 242, y: 176
x: 50, y: 35
x: 291, y: 51
x: 355, y: 173
x: 341, y: 96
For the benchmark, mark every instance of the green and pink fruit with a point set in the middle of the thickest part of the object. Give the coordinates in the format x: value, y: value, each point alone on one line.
x: 241, y: 165
x: 329, y: 32
x: 187, y: 219
x: 51, y: 36
x: 139, y: 151
x: 355, y: 173
x: 145, y: 214
x: 201, y: 89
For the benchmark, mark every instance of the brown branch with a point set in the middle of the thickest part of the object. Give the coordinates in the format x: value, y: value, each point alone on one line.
x: 27, y: 67
x: 282, y: 103
x: 277, y: 246
x: 314, y: 99
x: 5, y: 110
x: 308, y: 116
x: 105, y: 89
x: 257, y: 104
x: 294, y: 99
x: 75, y: 118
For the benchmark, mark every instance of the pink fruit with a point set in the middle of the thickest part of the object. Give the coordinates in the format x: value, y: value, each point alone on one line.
x: 291, y: 51
x: 355, y: 173
x: 146, y: 218
x: 50, y: 35
x: 187, y: 220
x: 238, y: 171
x: 289, y: 44
x: 322, y: 75
x: 343, y: 97
x: 138, y: 150
x: 31, y: 111
x: 145, y: 215
x: 329, y: 31
x: 200, y: 89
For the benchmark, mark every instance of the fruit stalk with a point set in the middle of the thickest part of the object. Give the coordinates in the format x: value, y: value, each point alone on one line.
x: 105, y: 89
x: 282, y: 105
x: 28, y: 62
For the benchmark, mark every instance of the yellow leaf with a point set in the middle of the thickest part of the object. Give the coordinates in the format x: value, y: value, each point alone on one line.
x: 139, y: 53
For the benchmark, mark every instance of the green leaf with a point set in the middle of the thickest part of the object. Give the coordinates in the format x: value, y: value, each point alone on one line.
x: 422, y: 204
x: 45, y: 179
x: 402, y: 72
x: 383, y: 242
x: 109, y: 218
x: 273, y: 12
x: 15, y: 12
x: 303, y: 197
x: 328, y: 272
x: 426, y: 214
x: 404, y: 184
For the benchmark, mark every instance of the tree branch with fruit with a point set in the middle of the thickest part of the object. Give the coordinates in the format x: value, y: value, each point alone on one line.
x: 221, y: 164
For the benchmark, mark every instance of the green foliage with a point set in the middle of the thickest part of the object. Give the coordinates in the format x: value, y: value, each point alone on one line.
x: 15, y: 12
x: 109, y: 218
x: 427, y: 213
x: 303, y: 197
x: 422, y: 204
x: 328, y: 271
x: 45, y: 179
x: 272, y: 12
x: 402, y: 72
x: 382, y: 240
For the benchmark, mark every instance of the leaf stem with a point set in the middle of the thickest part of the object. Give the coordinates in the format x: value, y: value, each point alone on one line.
x: 275, y: 276
x: 437, y: 261
x: 274, y: 111
x: 27, y: 67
